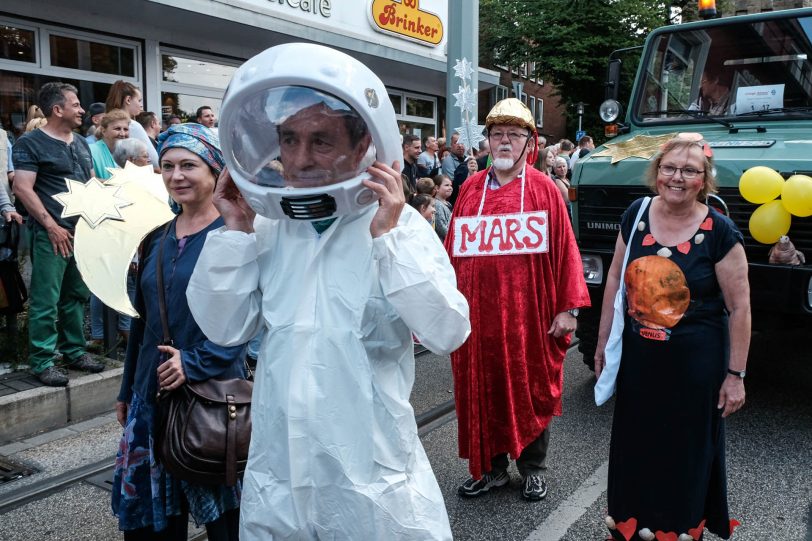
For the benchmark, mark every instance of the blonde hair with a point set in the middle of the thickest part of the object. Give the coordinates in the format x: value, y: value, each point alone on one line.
x: 680, y: 143
x: 114, y: 115
x: 33, y: 113
x: 426, y: 186
x: 35, y: 123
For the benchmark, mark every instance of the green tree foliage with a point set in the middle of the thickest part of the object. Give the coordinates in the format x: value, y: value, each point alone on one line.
x: 569, y: 41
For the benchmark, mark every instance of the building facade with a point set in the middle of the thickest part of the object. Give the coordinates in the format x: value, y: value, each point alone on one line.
x: 182, y: 53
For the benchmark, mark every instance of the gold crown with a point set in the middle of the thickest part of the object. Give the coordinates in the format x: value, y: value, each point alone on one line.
x: 511, y: 111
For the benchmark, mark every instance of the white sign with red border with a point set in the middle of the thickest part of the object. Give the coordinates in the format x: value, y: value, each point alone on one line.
x: 507, y: 234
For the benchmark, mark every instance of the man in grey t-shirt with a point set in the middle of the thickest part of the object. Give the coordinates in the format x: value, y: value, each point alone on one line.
x: 428, y: 163
x: 43, y: 159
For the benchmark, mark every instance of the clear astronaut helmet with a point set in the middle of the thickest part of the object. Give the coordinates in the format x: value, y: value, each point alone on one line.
x: 299, y: 125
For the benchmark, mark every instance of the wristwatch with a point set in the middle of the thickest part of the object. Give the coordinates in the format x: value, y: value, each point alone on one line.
x: 574, y: 312
x: 737, y: 373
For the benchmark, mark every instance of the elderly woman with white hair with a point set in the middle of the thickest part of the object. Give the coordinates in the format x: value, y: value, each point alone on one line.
x: 131, y: 150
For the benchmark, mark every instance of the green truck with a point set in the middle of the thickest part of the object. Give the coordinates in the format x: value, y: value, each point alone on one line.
x: 745, y: 84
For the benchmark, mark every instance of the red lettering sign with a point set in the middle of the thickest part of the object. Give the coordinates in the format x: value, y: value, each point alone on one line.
x: 501, y: 235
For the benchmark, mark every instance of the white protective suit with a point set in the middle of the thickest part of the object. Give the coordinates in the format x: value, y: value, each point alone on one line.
x: 334, y: 452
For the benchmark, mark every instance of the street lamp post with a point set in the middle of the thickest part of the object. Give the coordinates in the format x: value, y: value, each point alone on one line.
x: 580, y: 110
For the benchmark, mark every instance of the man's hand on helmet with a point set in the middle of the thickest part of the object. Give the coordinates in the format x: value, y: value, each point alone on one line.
x: 388, y: 187
x: 236, y: 212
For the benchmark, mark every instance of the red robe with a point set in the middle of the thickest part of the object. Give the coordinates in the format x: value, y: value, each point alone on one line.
x: 508, y: 376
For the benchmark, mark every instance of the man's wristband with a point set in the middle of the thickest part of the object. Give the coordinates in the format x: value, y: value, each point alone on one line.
x: 739, y: 374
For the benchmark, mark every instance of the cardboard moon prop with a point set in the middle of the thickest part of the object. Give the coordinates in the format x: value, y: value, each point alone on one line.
x: 115, y: 217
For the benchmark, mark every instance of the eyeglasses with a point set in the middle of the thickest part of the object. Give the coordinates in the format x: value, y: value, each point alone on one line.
x: 514, y: 137
x: 688, y: 173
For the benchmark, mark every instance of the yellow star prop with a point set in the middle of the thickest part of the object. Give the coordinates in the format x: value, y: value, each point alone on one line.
x: 639, y: 146
x: 93, y: 201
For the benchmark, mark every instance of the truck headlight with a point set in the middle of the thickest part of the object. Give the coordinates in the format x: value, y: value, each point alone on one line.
x: 609, y: 110
x: 809, y: 293
x: 593, y: 269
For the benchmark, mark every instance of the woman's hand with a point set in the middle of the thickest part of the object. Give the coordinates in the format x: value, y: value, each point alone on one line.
x: 236, y: 212
x: 170, y: 372
x: 600, y: 360
x: 731, y: 395
x: 121, y: 413
x: 388, y: 187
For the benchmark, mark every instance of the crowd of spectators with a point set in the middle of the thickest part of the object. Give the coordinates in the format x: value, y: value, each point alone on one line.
x: 63, y: 139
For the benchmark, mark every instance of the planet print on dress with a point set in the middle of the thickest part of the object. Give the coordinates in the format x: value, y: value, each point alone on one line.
x: 657, y: 292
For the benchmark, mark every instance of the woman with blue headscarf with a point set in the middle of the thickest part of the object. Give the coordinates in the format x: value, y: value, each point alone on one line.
x: 149, y: 502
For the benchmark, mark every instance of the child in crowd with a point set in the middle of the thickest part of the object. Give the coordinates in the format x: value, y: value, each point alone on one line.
x: 424, y: 205
x: 443, y: 190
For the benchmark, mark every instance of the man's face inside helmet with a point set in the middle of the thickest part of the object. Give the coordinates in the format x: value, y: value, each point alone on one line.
x: 298, y: 137
x: 319, y: 146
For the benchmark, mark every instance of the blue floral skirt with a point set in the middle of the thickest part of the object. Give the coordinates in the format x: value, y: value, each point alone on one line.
x: 144, y: 494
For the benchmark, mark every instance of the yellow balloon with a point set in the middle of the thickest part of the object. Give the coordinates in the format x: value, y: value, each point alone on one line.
x: 770, y: 222
x: 760, y: 184
x: 797, y: 195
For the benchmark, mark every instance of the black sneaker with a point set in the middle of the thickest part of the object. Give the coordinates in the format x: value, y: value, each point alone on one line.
x: 87, y: 363
x: 534, y: 488
x: 53, y: 377
x: 476, y: 487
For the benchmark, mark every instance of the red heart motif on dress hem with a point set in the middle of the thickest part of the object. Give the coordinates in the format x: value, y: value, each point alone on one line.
x: 733, y: 525
x: 648, y: 240
x: 696, y: 532
x: 707, y: 225
x: 627, y: 528
x: 666, y: 536
x: 685, y: 247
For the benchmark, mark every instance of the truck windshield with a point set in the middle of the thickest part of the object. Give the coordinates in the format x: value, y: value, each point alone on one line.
x: 730, y: 72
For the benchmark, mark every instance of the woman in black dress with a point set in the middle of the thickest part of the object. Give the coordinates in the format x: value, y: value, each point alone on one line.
x: 685, y: 343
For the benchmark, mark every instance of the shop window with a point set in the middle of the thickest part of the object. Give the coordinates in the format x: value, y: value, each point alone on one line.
x: 417, y: 116
x: 86, y: 55
x: 186, y: 105
x: 18, y: 44
x: 188, y: 71
x: 419, y: 107
x: 396, y: 103
x: 19, y: 91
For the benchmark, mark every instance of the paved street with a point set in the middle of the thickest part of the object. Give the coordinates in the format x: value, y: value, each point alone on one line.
x: 769, y: 464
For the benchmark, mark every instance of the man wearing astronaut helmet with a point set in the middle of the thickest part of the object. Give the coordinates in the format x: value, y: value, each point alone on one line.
x: 339, y: 273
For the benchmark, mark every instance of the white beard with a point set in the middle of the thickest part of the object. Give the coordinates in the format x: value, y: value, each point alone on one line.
x: 503, y: 164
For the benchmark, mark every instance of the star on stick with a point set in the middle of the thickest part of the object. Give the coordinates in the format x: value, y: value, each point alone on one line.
x: 470, y: 135
x: 639, y: 146
x: 466, y: 99
x: 463, y: 69
x: 93, y: 201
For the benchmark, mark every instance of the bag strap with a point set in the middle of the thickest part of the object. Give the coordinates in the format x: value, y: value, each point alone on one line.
x: 231, y: 442
x: 640, y: 212
x: 167, y: 339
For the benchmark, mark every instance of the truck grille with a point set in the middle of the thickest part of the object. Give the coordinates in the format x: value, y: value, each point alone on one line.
x: 600, y: 209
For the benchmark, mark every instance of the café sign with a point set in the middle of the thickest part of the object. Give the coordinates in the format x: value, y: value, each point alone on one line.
x: 405, y: 19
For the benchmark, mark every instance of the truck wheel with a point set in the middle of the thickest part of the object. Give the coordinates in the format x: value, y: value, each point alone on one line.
x: 588, y: 335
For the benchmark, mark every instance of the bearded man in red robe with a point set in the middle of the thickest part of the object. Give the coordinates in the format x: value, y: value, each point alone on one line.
x: 517, y: 263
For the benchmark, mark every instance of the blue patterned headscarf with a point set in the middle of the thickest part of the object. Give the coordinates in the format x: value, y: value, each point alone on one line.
x: 195, y: 138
